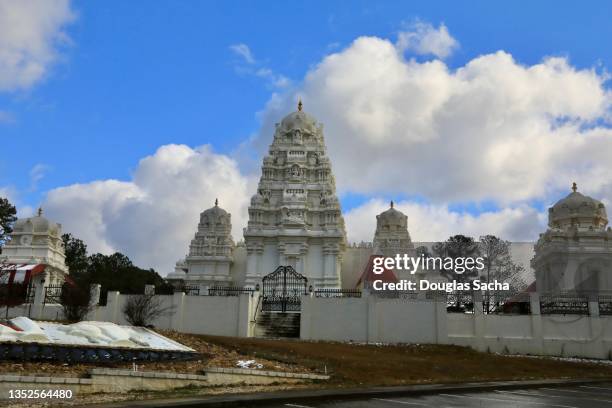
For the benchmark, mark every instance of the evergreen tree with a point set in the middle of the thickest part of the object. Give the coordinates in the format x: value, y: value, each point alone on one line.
x: 8, y: 216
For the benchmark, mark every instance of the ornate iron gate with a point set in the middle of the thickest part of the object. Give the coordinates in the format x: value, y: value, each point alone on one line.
x: 282, y: 290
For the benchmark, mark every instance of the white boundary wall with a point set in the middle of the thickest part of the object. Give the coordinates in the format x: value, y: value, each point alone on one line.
x: 535, y: 334
x: 371, y: 319
x: 214, y: 315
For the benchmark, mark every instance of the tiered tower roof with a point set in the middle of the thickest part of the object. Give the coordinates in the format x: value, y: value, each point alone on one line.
x: 297, y: 190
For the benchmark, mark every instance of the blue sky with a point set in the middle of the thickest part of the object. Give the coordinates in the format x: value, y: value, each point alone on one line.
x: 142, y: 74
x: 522, y: 93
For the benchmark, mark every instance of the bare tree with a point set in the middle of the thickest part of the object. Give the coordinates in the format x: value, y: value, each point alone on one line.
x: 142, y: 310
x: 11, y: 294
x: 455, y: 247
x: 500, y: 266
x: 76, y: 302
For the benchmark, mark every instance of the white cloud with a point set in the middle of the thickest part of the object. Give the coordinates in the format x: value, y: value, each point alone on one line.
x: 152, y: 217
x: 37, y: 173
x: 6, y: 117
x: 428, y: 222
x: 243, y: 51
x: 251, y: 66
x: 424, y: 39
x: 12, y: 194
x: 30, y: 32
x: 7, y: 192
x: 492, y: 129
x: 276, y: 80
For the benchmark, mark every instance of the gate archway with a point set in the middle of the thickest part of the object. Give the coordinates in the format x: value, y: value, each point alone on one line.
x: 282, y: 290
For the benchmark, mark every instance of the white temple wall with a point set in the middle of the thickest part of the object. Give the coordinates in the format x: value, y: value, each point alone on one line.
x: 238, y: 268
x: 334, y: 319
x: 270, y: 259
x: 214, y: 315
x: 372, y: 319
x: 314, y: 261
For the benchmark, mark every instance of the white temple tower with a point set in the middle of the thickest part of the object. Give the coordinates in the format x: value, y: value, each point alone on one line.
x: 295, y: 217
x: 35, y: 252
x: 575, y: 252
x: 391, y: 236
x: 210, y: 252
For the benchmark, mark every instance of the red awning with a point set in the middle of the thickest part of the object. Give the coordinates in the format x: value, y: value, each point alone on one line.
x: 20, y: 273
x: 368, y: 276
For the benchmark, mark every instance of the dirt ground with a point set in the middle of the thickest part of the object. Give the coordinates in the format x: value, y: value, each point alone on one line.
x: 350, y: 365
x: 354, y: 365
x: 212, y: 355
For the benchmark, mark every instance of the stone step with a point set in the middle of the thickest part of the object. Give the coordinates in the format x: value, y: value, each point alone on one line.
x: 274, y: 325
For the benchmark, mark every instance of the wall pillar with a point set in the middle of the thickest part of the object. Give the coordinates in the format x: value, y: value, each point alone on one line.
x: 596, y: 329
x: 536, y: 323
x: 244, y: 314
x: 441, y: 320
x: 178, y: 309
x: 39, y: 298
x: 372, y: 321
x: 479, y: 322
x: 112, y: 307
x: 306, y: 317
x: 94, y: 301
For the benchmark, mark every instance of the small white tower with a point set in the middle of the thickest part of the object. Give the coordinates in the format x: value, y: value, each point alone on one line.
x: 210, y: 252
x: 575, y: 252
x: 36, y: 246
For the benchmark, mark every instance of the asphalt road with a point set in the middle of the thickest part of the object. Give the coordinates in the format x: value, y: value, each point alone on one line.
x: 578, y: 396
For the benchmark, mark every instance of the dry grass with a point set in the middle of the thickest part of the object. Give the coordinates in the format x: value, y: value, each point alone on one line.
x: 372, y: 365
x: 351, y: 365
x: 211, y: 355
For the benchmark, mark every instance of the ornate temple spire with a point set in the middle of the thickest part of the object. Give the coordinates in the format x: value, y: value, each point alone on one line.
x: 574, y: 187
x: 216, y: 202
x: 391, y: 203
x: 40, y: 211
x: 300, y: 105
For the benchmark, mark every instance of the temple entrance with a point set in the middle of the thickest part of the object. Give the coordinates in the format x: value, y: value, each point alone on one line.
x: 282, y: 290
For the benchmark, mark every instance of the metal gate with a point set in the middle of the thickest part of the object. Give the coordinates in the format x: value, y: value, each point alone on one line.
x: 282, y: 290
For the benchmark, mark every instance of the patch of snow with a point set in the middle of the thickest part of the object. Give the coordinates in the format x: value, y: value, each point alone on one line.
x: 249, y: 364
x: 30, y: 331
x: 565, y: 359
x: 87, y: 333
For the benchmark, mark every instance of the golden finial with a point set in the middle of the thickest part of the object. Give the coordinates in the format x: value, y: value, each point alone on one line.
x: 574, y: 187
x: 391, y: 203
x: 40, y: 211
x: 216, y: 202
x: 300, y: 105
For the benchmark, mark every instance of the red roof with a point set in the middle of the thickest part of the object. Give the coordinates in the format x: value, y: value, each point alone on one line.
x: 21, y: 273
x: 368, y: 276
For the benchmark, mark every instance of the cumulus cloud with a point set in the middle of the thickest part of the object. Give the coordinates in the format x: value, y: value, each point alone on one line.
x: 152, y: 217
x: 424, y: 39
x: 493, y: 129
x: 30, y: 33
